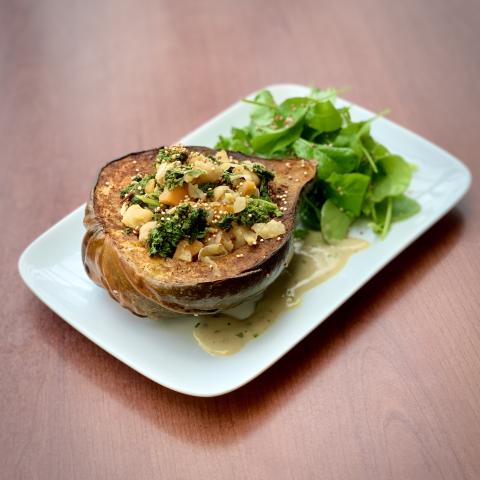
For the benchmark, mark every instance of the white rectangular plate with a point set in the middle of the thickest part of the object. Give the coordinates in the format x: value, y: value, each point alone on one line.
x: 166, y: 351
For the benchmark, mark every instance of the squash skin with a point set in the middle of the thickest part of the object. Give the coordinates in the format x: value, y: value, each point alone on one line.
x: 163, y: 287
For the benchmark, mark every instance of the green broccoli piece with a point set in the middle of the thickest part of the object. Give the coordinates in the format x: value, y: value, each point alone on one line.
x: 262, y: 171
x: 147, y: 200
x: 257, y: 210
x: 175, y: 177
x: 207, y: 188
x: 228, y: 176
x: 226, y: 221
x: 185, y: 222
x: 137, y: 186
x: 174, y: 154
x: 266, y: 176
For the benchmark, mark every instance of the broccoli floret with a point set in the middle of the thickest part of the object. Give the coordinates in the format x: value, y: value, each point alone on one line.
x: 263, y: 171
x: 185, y: 222
x: 225, y: 222
x: 172, y: 154
x: 265, y: 176
x: 148, y: 200
x: 207, y: 188
x: 227, y: 177
x: 175, y: 177
x: 137, y: 186
x: 257, y: 210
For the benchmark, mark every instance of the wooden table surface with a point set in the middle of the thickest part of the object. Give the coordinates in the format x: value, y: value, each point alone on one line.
x: 387, y: 388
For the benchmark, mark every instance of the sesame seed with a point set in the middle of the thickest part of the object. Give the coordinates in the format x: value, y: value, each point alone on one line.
x: 134, y: 161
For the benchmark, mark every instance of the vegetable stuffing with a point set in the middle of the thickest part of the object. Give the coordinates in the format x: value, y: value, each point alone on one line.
x: 193, y: 206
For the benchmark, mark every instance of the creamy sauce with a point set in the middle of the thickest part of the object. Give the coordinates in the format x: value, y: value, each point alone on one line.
x: 313, y: 263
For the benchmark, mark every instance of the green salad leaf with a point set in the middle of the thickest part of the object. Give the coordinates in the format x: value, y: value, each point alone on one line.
x: 334, y: 222
x: 392, y: 179
x: 357, y: 177
x: 323, y: 117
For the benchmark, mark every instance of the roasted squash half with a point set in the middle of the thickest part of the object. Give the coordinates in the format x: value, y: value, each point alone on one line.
x: 165, y: 287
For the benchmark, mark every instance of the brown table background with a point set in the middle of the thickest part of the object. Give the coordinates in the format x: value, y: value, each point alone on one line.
x: 388, y: 387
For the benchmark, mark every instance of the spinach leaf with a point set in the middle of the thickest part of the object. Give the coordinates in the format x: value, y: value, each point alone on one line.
x: 334, y: 222
x: 356, y: 175
x: 392, y: 209
x: 241, y: 141
x: 347, y: 191
x: 392, y: 179
x: 323, y: 94
x: 323, y: 117
x: 268, y: 141
x: 329, y: 159
x: 402, y: 207
x: 285, y: 128
x: 264, y: 108
x: 310, y: 206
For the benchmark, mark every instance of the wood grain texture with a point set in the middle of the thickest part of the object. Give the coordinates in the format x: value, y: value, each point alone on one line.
x: 387, y: 388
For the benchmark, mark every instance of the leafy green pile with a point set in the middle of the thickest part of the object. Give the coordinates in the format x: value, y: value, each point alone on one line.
x: 184, y: 222
x: 357, y: 177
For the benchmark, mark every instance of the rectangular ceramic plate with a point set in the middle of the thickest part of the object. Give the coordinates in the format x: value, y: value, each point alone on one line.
x: 166, y: 351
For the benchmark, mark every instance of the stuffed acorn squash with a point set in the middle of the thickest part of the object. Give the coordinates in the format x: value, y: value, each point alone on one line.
x: 190, y: 230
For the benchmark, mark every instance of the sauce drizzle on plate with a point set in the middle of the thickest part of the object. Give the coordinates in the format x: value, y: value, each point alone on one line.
x: 314, y: 262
